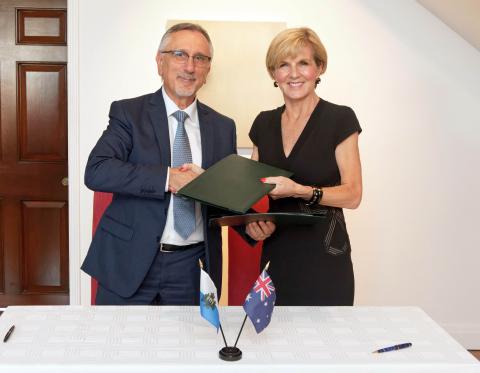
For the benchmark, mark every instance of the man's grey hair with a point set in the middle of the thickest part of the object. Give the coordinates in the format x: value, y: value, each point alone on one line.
x: 181, y: 27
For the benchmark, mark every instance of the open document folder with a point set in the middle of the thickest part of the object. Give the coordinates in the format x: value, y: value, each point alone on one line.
x: 279, y: 218
x: 232, y: 184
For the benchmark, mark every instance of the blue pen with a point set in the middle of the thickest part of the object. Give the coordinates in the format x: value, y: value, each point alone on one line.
x: 393, y: 348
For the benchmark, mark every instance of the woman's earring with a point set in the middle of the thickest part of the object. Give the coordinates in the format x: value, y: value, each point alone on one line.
x: 275, y: 84
x: 318, y: 80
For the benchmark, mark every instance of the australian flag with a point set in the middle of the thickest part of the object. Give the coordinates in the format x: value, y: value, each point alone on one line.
x: 260, y: 302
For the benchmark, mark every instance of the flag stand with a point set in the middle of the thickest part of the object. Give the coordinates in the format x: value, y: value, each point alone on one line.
x: 232, y: 353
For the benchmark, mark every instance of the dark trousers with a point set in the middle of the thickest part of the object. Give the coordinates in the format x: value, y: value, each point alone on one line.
x: 173, y: 279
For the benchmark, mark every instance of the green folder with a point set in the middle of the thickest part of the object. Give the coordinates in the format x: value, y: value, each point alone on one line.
x: 279, y: 218
x: 232, y: 184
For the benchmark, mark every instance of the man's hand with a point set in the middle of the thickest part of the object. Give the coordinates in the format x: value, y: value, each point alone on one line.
x: 260, y: 230
x: 177, y: 179
x: 191, y: 167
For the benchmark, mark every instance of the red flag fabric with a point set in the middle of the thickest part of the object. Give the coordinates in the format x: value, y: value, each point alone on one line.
x: 100, y: 203
x: 243, y: 262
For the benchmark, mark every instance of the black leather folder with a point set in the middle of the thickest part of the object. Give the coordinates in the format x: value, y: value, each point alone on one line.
x: 279, y: 218
x: 232, y: 184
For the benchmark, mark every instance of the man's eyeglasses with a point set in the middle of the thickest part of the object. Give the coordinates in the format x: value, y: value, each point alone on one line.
x: 182, y: 57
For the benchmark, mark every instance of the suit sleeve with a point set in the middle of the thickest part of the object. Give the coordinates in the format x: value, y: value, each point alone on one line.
x: 109, y: 169
x: 234, y: 138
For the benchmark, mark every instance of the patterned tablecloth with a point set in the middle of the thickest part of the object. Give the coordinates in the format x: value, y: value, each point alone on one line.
x: 174, y: 339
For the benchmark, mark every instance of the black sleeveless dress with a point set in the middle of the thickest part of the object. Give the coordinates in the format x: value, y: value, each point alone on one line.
x: 309, y: 265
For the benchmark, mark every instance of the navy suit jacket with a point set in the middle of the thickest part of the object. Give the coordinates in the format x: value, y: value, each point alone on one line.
x: 131, y: 160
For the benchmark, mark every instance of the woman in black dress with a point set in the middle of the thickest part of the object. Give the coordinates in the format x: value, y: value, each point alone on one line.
x: 317, y: 141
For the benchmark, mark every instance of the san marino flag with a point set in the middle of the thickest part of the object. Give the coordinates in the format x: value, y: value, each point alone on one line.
x: 208, y: 300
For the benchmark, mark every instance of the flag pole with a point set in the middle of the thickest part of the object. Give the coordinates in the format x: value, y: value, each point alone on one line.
x: 223, y: 335
x: 240, y: 332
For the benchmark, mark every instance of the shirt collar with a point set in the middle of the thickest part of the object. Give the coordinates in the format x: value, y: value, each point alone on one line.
x: 171, y: 107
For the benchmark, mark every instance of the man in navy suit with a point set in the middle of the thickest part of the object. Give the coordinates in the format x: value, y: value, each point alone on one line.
x: 139, y: 254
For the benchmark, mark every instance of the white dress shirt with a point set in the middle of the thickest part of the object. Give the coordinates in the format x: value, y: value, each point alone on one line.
x: 192, y: 127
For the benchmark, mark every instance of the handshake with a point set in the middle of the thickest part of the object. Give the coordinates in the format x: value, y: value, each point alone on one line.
x: 180, y: 176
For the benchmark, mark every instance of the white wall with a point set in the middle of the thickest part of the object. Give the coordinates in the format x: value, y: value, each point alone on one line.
x: 415, y: 86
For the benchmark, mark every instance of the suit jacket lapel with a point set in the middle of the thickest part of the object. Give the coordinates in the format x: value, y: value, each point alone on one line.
x: 158, y: 119
x: 206, y: 134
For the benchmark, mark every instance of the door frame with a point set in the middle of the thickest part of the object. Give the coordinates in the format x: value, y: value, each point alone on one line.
x: 79, y: 284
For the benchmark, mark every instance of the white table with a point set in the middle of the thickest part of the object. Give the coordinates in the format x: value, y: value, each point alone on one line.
x: 177, y: 339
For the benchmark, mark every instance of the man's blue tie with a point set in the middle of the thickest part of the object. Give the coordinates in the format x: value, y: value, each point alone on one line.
x: 183, y: 210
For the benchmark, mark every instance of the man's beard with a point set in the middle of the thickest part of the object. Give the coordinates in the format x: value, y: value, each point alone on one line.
x: 185, y: 92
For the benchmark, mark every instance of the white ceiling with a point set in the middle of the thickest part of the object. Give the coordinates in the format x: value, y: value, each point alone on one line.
x: 462, y: 16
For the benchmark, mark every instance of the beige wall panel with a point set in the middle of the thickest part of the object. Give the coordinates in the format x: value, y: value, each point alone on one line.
x: 238, y: 84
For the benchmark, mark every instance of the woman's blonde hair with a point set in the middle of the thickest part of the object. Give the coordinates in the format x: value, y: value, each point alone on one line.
x: 289, y: 42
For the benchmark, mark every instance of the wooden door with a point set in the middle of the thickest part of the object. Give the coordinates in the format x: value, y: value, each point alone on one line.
x: 33, y: 153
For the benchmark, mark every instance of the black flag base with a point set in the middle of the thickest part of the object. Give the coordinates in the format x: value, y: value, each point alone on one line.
x: 230, y: 354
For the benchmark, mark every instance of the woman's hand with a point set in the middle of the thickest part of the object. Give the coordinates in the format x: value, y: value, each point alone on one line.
x: 285, y: 187
x: 260, y: 230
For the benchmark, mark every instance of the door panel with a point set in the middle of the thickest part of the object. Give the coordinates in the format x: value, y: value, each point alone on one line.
x: 42, y: 110
x: 33, y: 153
x: 42, y: 26
x: 2, y: 272
x: 45, y: 263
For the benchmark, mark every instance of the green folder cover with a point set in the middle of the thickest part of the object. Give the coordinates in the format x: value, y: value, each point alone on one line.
x: 232, y: 184
x: 279, y: 218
